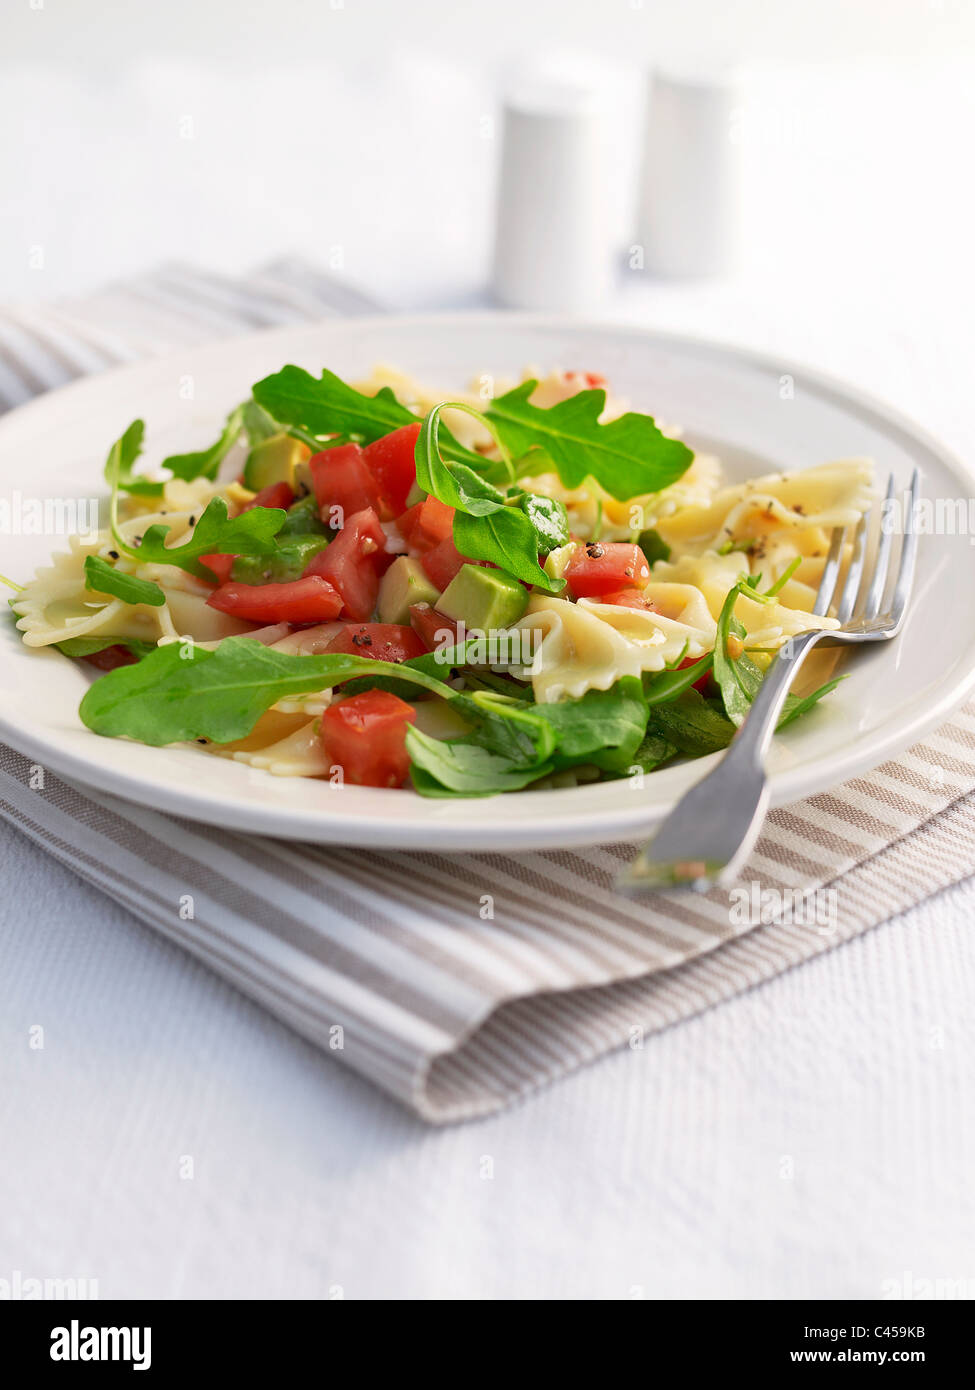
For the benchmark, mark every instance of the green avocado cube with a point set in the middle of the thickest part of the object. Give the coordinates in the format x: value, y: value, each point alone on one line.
x: 287, y: 564
x: 275, y: 460
x: 484, y: 599
x: 303, y: 519
x: 404, y: 583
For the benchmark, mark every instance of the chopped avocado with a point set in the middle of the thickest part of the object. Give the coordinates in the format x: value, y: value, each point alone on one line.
x: 484, y: 599
x: 288, y: 563
x: 415, y: 494
x: 275, y: 460
x: 303, y: 519
x: 405, y: 582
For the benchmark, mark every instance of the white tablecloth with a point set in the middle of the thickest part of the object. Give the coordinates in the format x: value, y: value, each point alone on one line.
x: 813, y: 1138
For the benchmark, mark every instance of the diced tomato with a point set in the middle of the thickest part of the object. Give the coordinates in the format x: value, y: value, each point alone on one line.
x: 629, y: 598
x: 379, y: 641
x: 705, y: 680
x: 365, y: 735
x: 306, y: 600
x: 426, y: 524
x: 431, y: 626
x: 109, y: 658
x: 353, y: 562
x: 589, y: 381
x: 276, y: 495
x: 219, y: 565
x: 597, y: 569
x: 392, y: 462
x: 342, y: 478
x: 443, y: 562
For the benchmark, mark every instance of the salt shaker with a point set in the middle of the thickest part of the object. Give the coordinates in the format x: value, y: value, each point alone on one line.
x: 552, y: 246
x: 688, y: 208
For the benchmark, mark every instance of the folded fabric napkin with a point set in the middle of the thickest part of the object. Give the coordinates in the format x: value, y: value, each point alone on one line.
x: 460, y: 982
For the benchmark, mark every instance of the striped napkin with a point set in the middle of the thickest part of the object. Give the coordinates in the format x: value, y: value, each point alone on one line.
x: 458, y: 983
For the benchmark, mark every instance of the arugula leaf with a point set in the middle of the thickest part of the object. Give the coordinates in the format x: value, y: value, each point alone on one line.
x: 88, y: 646
x: 206, y: 462
x: 439, y: 664
x: 327, y: 405
x: 122, y: 455
x: 627, y: 457
x: 458, y: 767
x: 604, y: 727
x: 104, y: 579
x: 513, y: 743
x: 509, y: 727
x: 653, y: 546
x: 795, y: 705
x: 664, y: 686
x: 250, y: 533
x: 549, y: 518
x: 653, y: 752
x: 692, y: 725
x: 258, y: 424
x: 486, y: 527
x: 739, y: 678
x: 180, y: 692
x: 508, y: 539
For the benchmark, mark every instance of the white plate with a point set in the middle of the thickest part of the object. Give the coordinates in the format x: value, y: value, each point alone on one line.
x: 727, y: 400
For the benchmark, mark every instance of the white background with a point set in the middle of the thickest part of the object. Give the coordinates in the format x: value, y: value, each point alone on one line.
x: 816, y: 1137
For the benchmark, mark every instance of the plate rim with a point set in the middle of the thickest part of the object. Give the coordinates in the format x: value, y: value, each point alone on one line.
x: 586, y: 826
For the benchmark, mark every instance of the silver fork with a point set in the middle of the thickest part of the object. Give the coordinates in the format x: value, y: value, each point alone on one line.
x: 710, y: 832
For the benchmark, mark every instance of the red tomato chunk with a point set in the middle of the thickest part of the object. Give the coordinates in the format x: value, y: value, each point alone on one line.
x: 392, y: 462
x: 352, y: 563
x: 219, y: 565
x: 308, y: 600
x: 433, y: 628
x: 443, y: 562
x: 365, y: 735
x: 426, y: 524
x: 342, y: 478
x: 597, y: 569
x: 109, y: 658
x: 277, y: 495
x: 378, y: 641
x: 705, y: 680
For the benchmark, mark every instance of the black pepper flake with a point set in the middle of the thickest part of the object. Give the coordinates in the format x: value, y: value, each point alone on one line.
x: 361, y: 639
x: 201, y: 740
x: 628, y: 571
x: 113, y: 554
x: 192, y: 520
x: 594, y: 550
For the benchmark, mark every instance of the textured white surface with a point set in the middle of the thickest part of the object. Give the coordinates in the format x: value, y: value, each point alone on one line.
x: 661, y: 1170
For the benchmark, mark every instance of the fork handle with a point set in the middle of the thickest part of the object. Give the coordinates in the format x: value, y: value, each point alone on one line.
x: 711, y: 830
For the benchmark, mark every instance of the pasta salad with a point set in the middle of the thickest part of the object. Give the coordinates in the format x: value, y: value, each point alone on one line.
x: 525, y: 586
